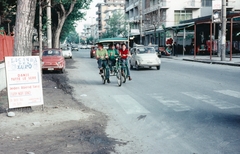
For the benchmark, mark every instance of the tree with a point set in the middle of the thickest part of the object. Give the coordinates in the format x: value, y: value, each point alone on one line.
x: 117, y: 25
x: 24, y: 27
x: 155, y: 19
x: 7, y: 14
x: 63, y: 9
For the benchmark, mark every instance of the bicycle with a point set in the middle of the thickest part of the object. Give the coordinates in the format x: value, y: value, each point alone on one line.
x: 124, y: 72
x: 105, y: 73
x: 117, y: 71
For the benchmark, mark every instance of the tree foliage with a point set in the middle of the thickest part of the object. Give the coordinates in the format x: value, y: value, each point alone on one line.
x: 66, y: 10
x: 8, y: 10
x: 116, y: 26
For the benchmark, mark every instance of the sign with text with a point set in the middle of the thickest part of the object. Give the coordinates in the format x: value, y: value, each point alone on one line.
x: 24, y: 81
x: 216, y: 11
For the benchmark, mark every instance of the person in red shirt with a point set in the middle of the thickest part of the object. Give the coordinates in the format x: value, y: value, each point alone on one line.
x: 124, y: 53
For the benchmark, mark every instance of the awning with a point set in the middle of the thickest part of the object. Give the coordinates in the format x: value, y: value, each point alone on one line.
x: 113, y: 39
x: 180, y: 26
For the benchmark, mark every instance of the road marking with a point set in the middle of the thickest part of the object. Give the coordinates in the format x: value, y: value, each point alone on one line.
x: 129, y: 105
x: 174, y: 104
x: 207, y: 99
x: 229, y: 93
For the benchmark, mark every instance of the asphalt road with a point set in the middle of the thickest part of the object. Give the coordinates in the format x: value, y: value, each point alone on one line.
x: 183, y: 108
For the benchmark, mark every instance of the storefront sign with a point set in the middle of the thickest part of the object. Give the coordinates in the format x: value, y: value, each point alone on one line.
x: 24, y: 81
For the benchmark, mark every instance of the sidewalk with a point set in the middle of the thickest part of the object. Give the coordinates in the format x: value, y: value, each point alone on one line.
x: 206, y: 59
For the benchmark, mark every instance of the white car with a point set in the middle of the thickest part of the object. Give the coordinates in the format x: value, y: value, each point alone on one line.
x: 144, y: 56
x: 67, y: 52
x: 84, y: 47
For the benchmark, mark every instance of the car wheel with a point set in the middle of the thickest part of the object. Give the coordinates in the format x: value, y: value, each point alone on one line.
x: 137, y: 66
x: 131, y: 67
x: 62, y: 70
x: 158, y: 67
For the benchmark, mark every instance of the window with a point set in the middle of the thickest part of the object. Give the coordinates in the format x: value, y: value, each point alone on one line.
x: 206, y: 3
x: 180, y: 15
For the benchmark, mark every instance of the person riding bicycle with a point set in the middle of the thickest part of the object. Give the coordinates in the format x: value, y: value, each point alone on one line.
x: 124, y: 53
x: 112, y: 53
x: 102, y: 55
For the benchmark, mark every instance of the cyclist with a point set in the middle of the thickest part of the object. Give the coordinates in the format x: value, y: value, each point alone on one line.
x: 112, y: 53
x: 102, y: 55
x: 124, y: 53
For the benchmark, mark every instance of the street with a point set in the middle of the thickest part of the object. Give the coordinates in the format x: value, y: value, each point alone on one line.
x: 184, y: 107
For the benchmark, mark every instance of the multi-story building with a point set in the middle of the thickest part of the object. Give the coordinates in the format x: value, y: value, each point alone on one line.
x: 103, y: 9
x: 152, y: 16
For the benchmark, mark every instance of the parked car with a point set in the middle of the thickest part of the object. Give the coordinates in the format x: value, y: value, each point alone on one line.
x: 144, y: 56
x: 67, y: 53
x: 92, y: 52
x: 35, y: 51
x: 88, y: 46
x: 52, y: 59
x: 75, y: 47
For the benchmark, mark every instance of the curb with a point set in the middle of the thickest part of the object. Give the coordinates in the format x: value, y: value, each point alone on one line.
x: 213, y: 62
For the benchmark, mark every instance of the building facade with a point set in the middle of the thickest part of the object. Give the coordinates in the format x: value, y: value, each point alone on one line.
x: 103, y: 12
x: 152, y: 16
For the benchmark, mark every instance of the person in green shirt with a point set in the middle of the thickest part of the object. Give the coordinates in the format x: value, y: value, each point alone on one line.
x: 102, y: 55
x: 112, y: 53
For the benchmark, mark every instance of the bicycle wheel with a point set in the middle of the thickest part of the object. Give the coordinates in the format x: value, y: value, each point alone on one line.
x: 104, y: 76
x: 124, y: 74
x: 119, y: 77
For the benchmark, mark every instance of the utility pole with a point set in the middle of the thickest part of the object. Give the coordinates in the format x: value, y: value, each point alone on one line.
x: 223, y: 40
x: 140, y: 5
x: 40, y: 28
x: 49, y: 24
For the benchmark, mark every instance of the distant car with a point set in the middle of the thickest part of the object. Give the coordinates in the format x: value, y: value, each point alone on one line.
x: 144, y: 56
x: 74, y: 47
x: 84, y: 47
x: 92, y: 52
x: 35, y: 51
x: 88, y: 46
x: 52, y: 59
x: 67, y: 53
x: 155, y: 46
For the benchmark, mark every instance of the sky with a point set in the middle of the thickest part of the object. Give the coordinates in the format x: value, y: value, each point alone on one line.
x: 90, y: 16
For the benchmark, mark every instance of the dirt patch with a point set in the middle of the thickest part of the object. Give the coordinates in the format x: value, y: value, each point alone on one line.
x: 65, y: 125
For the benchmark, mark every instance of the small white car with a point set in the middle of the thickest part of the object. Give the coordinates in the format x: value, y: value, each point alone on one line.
x: 67, y: 52
x: 144, y: 56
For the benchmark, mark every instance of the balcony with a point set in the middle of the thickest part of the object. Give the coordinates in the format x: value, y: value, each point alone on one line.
x: 98, y: 18
x: 130, y: 6
x: 162, y: 5
x: 230, y: 4
x: 192, y: 4
x: 98, y: 12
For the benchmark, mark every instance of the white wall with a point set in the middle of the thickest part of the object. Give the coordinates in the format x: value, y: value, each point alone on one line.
x: 2, y: 76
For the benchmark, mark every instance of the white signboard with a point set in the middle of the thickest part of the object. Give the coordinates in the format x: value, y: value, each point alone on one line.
x: 217, y: 4
x: 24, y: 81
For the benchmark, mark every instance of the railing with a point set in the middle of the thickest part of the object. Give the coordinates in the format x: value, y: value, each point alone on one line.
x: 230, y: 3
x: 193, y: 4
x: 161, y: 5
x: 129, y: 6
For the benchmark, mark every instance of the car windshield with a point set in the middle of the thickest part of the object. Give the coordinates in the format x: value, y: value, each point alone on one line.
x: 145, y: 50
x: 51, y: 53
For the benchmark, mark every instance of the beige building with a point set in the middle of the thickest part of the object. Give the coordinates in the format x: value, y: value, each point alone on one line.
x: 103, y: 12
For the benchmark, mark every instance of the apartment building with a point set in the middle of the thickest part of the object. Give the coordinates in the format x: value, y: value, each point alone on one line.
x: 153, y: 15
x: 103, y: 9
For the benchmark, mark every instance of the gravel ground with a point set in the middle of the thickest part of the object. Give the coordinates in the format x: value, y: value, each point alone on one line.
x: 65, y: 125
